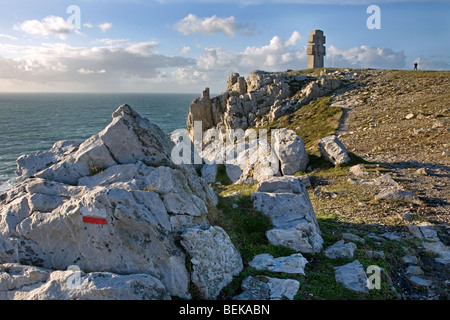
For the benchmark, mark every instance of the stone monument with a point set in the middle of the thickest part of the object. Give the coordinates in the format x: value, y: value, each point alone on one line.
x: 316, y: 49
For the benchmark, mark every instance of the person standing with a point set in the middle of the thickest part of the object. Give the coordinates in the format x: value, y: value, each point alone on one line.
x: 415, y: 66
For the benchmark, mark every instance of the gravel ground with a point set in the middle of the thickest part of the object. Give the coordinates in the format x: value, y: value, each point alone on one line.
x: 401, y: 119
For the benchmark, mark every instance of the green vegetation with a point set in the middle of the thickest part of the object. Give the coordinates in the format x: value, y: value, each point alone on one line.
x: 312, y: 122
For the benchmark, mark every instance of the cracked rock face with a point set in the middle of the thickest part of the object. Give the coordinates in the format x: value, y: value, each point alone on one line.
x: 214, y: 258
x: 114, y: 203
x: 286, y: 201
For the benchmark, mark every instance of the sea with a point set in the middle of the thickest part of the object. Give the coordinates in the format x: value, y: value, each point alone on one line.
x: 32, y: 122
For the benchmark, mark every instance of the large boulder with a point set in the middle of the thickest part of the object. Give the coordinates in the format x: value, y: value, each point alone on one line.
x: 214, y: 258
x: 115, y: 204
x: 127, y: 139
x: 291, y: 151
x: 286, y: 201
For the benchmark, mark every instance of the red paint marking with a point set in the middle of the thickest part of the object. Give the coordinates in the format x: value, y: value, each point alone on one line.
x: 94, y: 220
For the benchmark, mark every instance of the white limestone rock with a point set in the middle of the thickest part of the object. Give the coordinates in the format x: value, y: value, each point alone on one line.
x: 341, y: 250
x: 332, y: 149
x: 292, y: 264
x: 124, y: 217
x: 30, y: 283
x: 257, y: 162
x: 302, y: 238
x: 28, y: 165
x: 285, y: 184
x: 352, y: 276
x: 291, y: 151
x: 214, y: 258
x: 135, y: 237
x: 14, y: 276
x: 396, y: 194
x: 292, y: 215
x: 431, y: 242
x: 209, y: 172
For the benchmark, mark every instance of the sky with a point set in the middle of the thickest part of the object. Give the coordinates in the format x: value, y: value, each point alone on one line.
x: 174, y: 46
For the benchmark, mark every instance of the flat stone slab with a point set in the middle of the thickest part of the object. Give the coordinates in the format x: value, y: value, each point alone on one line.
x: 292, y: 264
x: 352, y: 276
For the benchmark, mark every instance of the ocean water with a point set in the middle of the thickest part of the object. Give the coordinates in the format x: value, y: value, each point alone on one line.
x: 31, y: 122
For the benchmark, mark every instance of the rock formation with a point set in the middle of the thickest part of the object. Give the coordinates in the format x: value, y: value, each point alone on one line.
x: 112, y: 205
x: 249, y: 104
x: 262, y: 97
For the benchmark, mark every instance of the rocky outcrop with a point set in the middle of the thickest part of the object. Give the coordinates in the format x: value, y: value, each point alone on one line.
x: 28, y: 165
x: 431, y: 242
x: 114, y: 204
x: 20, y: 282
x: 263, y: 96
x: 251, y: 103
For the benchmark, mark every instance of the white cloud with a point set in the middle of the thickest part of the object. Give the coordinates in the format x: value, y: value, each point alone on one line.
x: 185, y: 50
x: 144, y: 49
x: 88, y: 25
x: 292, y: 41
x: 7, y: 36
x: 105, y: 26
x: 113, y: 42
x: 49, y: 25
x: 89, y: 71
x: 58, y: 66
x: 209, y: 25
x: 366, y: 57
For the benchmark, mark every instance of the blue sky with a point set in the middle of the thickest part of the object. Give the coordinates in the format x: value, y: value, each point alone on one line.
x: 184, y: 46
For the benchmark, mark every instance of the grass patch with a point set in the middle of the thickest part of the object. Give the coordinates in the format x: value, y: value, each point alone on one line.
x: 311, y: 122
x: 320, y: 283
x: 222, y: 176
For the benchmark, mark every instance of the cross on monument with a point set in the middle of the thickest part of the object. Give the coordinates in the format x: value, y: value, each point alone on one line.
x: 316, y: 49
